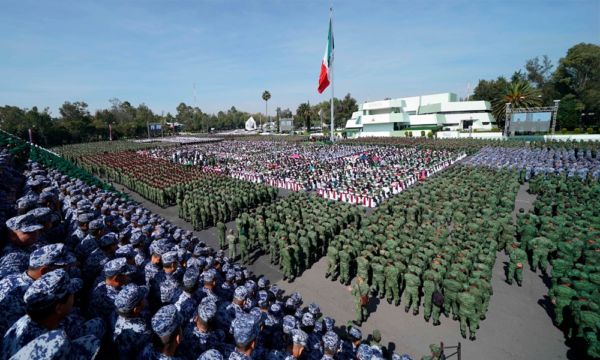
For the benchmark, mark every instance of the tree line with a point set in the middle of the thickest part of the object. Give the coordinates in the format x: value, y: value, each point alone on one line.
x: 575, y: 82
x: 76, y: 123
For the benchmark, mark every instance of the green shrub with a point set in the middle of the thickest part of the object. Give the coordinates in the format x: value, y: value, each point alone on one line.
x: 422, y: 133
x: 430, y: 135
x: 577, y: 131
x: 564, y: 131
x: 590, y: 130
x: 495, y: 129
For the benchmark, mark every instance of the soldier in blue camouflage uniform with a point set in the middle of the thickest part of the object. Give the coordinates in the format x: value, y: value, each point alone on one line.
x: 102, y: 299
x: 245, y: 331
x: 199, y: 335
x: 166, y: 327
x: 13, y: 287
x: 48, y: 301
x: 132, y: 331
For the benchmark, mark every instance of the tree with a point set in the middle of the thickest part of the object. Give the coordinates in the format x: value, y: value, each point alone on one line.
x: 539, y: 72
x: 519, y: 94
x: 569, y: 112
x: 303, y: 115
x: 76, y: 119
x: 578, y: 73
x: 266, y: 95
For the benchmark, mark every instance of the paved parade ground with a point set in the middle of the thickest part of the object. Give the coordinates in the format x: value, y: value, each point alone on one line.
x: 517, y: 324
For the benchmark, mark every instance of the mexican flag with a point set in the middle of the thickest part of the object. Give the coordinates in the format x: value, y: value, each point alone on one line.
x: 324, y: 77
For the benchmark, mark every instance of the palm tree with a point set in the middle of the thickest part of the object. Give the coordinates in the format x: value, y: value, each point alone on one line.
x: 519, y: 94
x: 266, y: 96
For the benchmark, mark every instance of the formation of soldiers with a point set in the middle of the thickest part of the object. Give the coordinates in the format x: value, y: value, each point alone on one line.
x: 561, y: 236
x: 536, y: 161
x: 154, y: 179
x: 433, y: 244
x: 74, y: 152
x: 85, y: 274
x: 218, y: 199
x: 294, y: 231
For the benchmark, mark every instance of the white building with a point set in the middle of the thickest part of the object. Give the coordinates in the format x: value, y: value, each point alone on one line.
x: 394, y: 117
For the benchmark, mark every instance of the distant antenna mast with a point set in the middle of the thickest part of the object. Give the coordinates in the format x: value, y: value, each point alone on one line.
x: 468, y: 91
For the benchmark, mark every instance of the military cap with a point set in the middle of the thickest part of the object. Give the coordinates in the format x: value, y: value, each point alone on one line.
x: 41, y: 214
x: 107, y: 239
x: 126, y: 251
x: 136, y: 237
x: 143, y: 221
x: 308, y: 319
x: 190, y: 277
x: 96, y: 224
x: 118, y: 266
x: 146, y: 228
x: 85, y: 217
x: 364, y: 352
x: 169, y: 257
x: 129, y: 297
x: 211, y: 354
x: 207, y: 310
x: 289, y: 323
x: 299, y: 337
x: 169, y: 291
x: 240, y: 293
x: 24, y: 223
x: 245, y: 329
x: 329, y: 323
x: 263, y: 282
x: 263, y: 298
x: 166, y: 321
x: 53, y: 254
x: 159, y: 247
x: 275, y: 290
x: 314, y: 309
x: 331, y: 341
x: 275, y: 309
x: 27, y: 202
x: 49, y: 288
x: 354, y: 333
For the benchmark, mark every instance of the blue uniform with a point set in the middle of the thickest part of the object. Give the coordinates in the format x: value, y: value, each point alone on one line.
x: 12, y: 305
x: 130, y: 336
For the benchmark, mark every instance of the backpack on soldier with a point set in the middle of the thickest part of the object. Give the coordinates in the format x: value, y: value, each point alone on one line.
x: 437, y: 297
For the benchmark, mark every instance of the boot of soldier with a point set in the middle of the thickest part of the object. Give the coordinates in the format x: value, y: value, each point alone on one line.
x: 436, y: 323
x: 463, y: 335
x: 416, y: 311
x: 482, y: 317
x: 426, y: 318
x: 327, y: 275
x: 472, y: 337
x: 397, y: 302
x: 389, y: 301
x: 455, y: 317
x: 406, y: 308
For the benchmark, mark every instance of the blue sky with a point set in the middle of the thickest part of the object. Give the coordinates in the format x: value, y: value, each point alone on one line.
x: 153, y: 52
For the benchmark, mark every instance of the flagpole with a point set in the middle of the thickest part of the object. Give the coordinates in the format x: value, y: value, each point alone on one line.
x: 331, y: 71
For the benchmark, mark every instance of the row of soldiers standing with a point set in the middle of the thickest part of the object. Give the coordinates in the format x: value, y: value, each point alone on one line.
x: 294, y: 231
x: 435, y: 243
x: 206, y: 202
x: 564, y: 229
